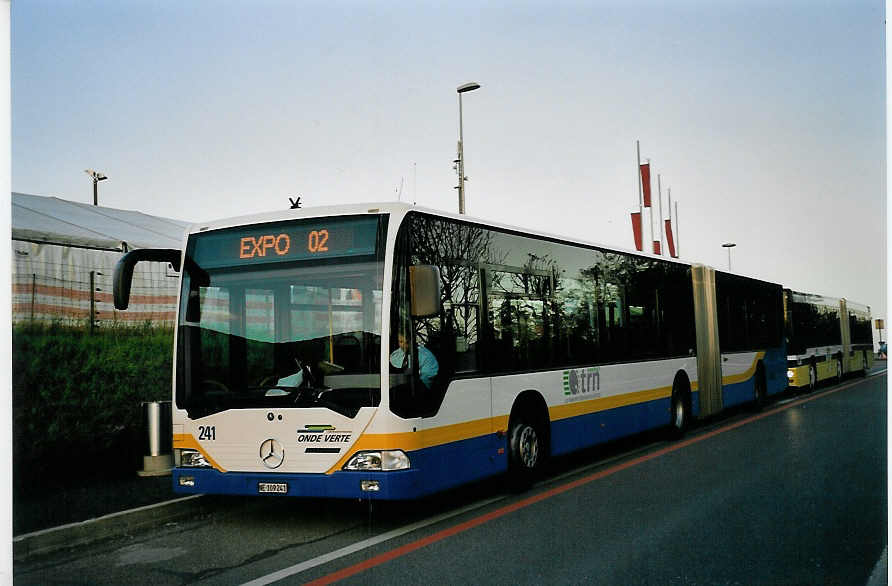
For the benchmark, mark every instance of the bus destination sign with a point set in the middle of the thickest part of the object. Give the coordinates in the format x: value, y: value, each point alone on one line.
x: 286, y: 241
x: 316, y: 242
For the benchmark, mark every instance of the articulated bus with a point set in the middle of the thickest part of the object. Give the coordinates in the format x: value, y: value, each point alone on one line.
x: 826, y: 338
x: 391, y: 352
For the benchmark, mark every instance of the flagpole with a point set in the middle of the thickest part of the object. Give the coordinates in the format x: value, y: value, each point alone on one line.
x: 651, y: 215
x: 669, y: 194
x: 677, y: 232
x: 638, y: 171
x: 660, y: 195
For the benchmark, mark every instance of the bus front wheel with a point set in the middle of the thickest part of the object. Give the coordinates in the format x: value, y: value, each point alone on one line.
x: 525, y: 454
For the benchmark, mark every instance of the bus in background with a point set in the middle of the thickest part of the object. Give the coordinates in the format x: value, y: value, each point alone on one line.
x: 858, y: 338
x: 825, y: 337
x: 391, y: 352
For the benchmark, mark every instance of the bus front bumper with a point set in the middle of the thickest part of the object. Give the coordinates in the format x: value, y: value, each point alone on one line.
x: 797, y: 376
x: 390, y: 485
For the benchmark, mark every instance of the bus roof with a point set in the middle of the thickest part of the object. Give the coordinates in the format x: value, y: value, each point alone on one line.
x: 399, y: 210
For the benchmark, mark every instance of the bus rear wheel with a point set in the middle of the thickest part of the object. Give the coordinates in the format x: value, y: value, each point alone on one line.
x: 525, y: 445
x: 759, y: 390
x: 680, y: 411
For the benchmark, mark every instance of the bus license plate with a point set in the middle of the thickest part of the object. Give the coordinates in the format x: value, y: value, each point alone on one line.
x: 272, y: 488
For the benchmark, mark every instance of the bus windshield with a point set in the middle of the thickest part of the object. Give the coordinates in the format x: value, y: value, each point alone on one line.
x: 282, y: 315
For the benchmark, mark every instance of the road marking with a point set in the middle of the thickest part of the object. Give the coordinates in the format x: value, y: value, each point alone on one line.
x: 500, y: 512
x: 366, y: 543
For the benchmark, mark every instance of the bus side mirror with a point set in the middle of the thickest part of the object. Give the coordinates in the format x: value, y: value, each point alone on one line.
x: 425, y: 290
x: 124, y: 269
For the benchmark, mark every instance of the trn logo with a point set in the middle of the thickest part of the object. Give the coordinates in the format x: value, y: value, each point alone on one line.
x: 582, y: 381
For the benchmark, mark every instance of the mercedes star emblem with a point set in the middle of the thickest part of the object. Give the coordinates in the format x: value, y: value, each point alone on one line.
x: 272, y: 454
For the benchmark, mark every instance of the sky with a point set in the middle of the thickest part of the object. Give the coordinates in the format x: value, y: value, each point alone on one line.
x: 766, y: 119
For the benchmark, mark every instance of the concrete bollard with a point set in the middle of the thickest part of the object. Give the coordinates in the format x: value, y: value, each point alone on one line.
x: 159, y: 460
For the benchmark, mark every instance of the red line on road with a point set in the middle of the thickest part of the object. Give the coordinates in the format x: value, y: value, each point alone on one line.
x: 461, y: 527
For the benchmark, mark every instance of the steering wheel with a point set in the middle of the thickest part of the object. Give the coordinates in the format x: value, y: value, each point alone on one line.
x: 268, y: 379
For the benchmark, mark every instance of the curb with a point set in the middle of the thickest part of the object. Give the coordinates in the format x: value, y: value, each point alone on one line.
x: 112, y: 525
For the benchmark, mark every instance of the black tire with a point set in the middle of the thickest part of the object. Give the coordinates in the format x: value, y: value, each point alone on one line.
x: 525, y: 452
x: 812, y: 378
x: 760, y: 390
x: 679, y: 411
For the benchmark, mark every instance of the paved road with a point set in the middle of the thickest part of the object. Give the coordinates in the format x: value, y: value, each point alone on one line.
x: 795, y: 495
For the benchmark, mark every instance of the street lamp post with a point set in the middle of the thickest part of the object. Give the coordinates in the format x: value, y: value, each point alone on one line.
x: 460, y: 161
x: 729, y: 246
x: 97, y: 177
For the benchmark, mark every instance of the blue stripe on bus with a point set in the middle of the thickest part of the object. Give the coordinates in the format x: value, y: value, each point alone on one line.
x: 402, y: 484
x: 738, y: 393
x: 583, y: 431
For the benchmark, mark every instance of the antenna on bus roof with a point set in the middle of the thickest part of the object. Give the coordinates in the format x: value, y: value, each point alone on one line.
x: 295, y: 204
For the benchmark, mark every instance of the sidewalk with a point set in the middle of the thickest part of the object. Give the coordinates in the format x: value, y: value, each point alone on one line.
x: 85, y: 500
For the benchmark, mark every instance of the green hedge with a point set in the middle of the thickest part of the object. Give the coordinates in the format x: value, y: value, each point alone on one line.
x: 77, y: 397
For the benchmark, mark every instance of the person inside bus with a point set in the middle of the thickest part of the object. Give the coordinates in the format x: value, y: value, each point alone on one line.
x: 428, y: 366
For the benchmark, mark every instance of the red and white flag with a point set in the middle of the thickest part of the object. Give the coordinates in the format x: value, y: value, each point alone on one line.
x: 645, y: 183
x: 636, y: 230
x: 670, y: 241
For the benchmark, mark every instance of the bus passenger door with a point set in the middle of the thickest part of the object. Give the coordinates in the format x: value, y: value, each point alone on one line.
x: 458, y: 436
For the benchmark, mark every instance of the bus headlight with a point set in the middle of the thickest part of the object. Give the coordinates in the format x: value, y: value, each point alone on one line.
x: 190, y: 459
x: 378, y: 460
x: 790, y: 374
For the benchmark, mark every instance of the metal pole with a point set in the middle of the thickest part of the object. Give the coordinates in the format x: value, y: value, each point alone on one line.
x: 95, y: 192
x: 651, y: 215
x: 92, y: 301
x: 638, y: 170
x: 33, y: 293
x: 660, y: 195
x: 669, y: 195
x: 729, y: 259
x: 677, y: 233
x: 153, y: 412
x: 461, y: 161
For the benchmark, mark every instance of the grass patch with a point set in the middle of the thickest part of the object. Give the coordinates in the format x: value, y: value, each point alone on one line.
x: 77, y: 399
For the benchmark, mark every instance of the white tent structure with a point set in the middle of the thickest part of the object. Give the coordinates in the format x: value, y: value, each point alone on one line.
x: 63, y: 259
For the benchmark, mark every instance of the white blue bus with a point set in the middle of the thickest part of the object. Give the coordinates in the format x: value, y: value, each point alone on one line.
x: 389, y: 352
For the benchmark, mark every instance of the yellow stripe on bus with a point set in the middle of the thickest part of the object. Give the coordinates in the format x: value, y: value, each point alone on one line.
x: 738, y: 378
x: 605, y: 403
x: 412, y: 441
